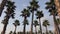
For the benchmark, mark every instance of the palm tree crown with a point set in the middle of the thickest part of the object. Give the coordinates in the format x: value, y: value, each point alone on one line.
x: 10, y: 9
x: 45, y: 23
x: 33, y: 5
x: 16, y: 23
x: 52, y: 8
x: 25, y: 13
x: 39, y: 14
x: 35, y: 23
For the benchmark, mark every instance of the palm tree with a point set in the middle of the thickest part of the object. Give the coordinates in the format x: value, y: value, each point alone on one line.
x: 16, y: 24
x: 33, y: 7
x: 35, y: 24
x: 57, y: 3
x: 39, y: 14
x: 2, y: 5
x: 53, y: 11
x: 9, y: 13
x: 45, y: 24
x: 25, y: 14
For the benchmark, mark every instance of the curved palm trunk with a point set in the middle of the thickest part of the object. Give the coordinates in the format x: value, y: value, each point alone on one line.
x: 24, y: 25
x: 15, y: 30
x: 56, y: 25
x: 5, y: 25
x: 40, y: 26
x: 35, y: 30
x: 46, y: 30
x: 32, y: 23
x: 2, y: 6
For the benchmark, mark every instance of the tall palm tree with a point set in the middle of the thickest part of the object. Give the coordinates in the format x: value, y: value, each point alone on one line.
x: 9, y: 13
x: 57, y: 3
x: 16, y: 24
x: 53, y: 11
x: 2, y: 5
x: 45, y: 24
x: 25, y: 14
x: 33, y: 7
x: 39, y: 14
x: 35, y: 24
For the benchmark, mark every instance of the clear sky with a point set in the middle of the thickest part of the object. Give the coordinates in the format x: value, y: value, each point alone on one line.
x: 20, y: 5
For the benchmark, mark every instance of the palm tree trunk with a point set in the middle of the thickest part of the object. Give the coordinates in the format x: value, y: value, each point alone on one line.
x: 24, y: 25
x: 15, y: 30
x: 35, y: 30
x: 2, y: 6
x: 5, y: 25
x: 46, y: 30
x: 32, y: 23
x: 40, y: 26
x: 24, y: 29
x: 56, y: 25
x: 4, y: 29
x: 57, y: 3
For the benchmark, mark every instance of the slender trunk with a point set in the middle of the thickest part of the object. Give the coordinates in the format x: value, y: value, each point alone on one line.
x: 2, y: 6
x: 32, y: 23
x: 5, y: 25
x: 40, y: 26
x: 46, y: 30
x: 15, y: 30
x: 4, y: 29
x: 24, y: 25
x: 24, y: 29
x: 56, y: 25
x: 35, y: 30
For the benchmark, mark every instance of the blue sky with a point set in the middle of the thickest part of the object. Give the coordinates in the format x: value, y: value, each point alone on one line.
x: 20, y: 5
